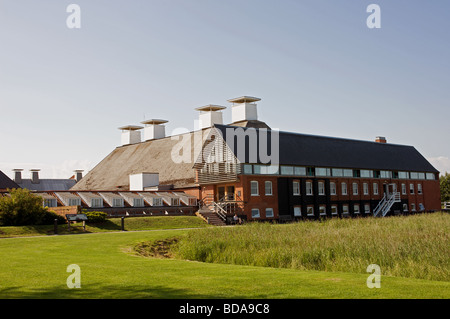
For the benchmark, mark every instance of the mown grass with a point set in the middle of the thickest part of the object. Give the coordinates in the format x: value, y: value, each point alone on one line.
x: 113, y: 224
x: 413, y: 246
x: 36, y: 267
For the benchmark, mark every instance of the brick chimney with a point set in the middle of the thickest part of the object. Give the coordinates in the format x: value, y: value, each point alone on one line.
x: 18, y: 175
x: 34, y: 175
x: 380, y: 139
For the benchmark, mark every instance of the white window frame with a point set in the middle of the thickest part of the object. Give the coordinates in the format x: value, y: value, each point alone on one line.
x: 255, y: 213
x: 321, y: 188
x: 299, y: 210
x: 344, y: 189
x: 413, y: 207
x: 310, y: 210
x: 266, y: 183
x: 322, y: 210
x: 405, y: 207
x: 296, y: 188
x: 345, y: 210
x: 269, y: 212
x: 419, y: 189
x: 376, y: 190
x: 403, y: 189
x: 252, y: 188
x: 355, y: 188
x: 366, y: 188
x: 367, y: 208
x: 411, y: 189
x: 356, y: 209
x: 309, y: 189
x: 333, y: 188
x: 334, y: 210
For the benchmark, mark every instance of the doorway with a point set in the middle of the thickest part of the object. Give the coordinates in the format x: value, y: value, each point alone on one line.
x: 225, y: 193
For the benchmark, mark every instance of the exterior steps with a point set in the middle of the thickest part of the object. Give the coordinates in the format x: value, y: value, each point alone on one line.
x: 210, y: 217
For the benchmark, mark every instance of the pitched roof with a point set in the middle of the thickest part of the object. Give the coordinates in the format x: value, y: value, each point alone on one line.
x: 6, y: 182
x: 322, y: 151
x: 48, y: 184
x: 112, y: 173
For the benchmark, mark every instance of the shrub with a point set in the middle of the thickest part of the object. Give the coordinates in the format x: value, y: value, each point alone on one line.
x: 49, y: 218
x: 95, y: 217
x: 21, y: 208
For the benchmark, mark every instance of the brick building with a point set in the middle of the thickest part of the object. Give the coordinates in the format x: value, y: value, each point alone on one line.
x: 233, y: 169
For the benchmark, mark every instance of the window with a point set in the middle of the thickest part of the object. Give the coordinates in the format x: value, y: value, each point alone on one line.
x: 254, y: 188
x: 296, y: 188
x: 332, y: 188
x: 287, y: 170
x: 117, y: 202
x: 411, y: 188
x: 356, y: 209
x: 334, y: 210
x: 265, y: 169
x: 310, y: 171
x: 268, y: 187
x: 348, y: 172
x: 157, y: 202
x: 366, y: 188
x: 421, y: 207
x: 367, y: 208
x: 49, y: 202
x: 355, y: 188
x: 322, y: 210
x: 345, y: 209
x: 309, y: 190
x: 431, y: 176
x: 269, y: 212
x: 255, y: 213
x: 356, y: 173
x: 375, y: 188
x: 320, y: 171
x: 175, y: 202
x: 74, y: 202
x: 414, y: 175
x: 403, y: 175
x: 96, y: 202
x: 297, y: 211
x: 405, y: 207
x: 413, y: 207
x: 344, y: 188
x: 247, y: 169
x: 403, y: 189
x: 300, y: 171
x: 321, y: 188
x: 139, y: 202
x: 419, y: 188
x: 366, y: 173
x: 421, y: 175
x: 385, y: 174
x: 337, y: 172
x: 310, y: 210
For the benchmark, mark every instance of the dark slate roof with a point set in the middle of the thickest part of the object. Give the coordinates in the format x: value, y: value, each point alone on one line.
x: 6, y: 182
x: 321, y: 151
x: 48, y: 184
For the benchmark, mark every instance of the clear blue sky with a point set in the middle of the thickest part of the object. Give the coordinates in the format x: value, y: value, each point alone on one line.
x: 315, y: 64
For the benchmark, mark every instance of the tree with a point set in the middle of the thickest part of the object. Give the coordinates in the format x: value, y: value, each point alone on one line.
x: 21, y: 208
x: 445, y: 187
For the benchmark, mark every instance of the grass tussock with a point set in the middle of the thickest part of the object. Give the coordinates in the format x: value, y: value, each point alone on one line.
x: 413, y: 246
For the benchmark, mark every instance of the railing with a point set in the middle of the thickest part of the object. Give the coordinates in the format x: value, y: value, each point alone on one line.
x: 386, y: 203
x: 220, y: 211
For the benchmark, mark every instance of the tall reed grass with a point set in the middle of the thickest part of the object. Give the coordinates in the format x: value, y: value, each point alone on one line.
x: 408, y: 246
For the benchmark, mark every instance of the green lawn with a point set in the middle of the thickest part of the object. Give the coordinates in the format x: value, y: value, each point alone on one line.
x: 35, y: 267
x: 112, y: 224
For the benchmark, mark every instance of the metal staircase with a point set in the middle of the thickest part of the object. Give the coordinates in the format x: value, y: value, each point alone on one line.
x: 385, y: 205
x: 216, y: 213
